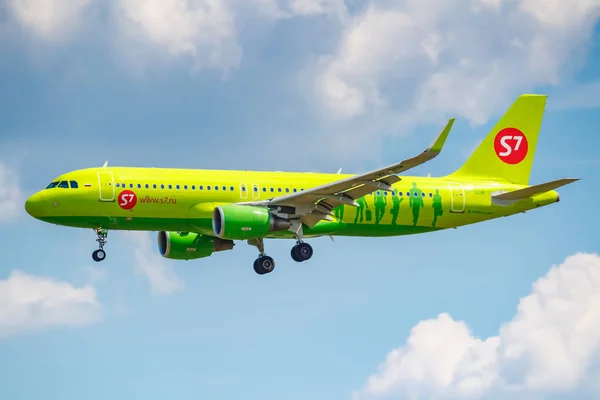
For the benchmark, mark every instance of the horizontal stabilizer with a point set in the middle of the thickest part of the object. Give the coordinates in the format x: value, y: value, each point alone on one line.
x: 534, y: 190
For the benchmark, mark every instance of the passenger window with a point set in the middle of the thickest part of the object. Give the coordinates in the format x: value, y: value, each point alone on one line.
x: 147, y: 186
x: 279, y: 190
x: 52, y: 185
x: 243, y: 188
x: 74, y: 185
x: 208, y: 187
x: 193, y: 187
x: 170, y: 186
x: 177, y: 187
x: 264, y: 189
x: 287, y: 190
x: 225, y: 188
x: 231, y: 188
x: 131, y: 186
x: 216, y: 187
x: 295, y: 190
x: 118, y: 184
x: 162, y: 186
x: 201, y: 187
x: 64, y: 185
x: 272, y: 190
x: 184, y: 187
x: 139, y: 185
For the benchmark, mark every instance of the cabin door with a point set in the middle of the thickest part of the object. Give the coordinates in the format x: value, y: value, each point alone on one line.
x: 457, y: 196
x: 106, y: 186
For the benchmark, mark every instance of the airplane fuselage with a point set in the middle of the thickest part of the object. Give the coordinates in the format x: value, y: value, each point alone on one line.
x: 161, y: 199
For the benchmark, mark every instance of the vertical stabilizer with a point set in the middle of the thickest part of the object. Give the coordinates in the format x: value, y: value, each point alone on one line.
x: 508, y: 150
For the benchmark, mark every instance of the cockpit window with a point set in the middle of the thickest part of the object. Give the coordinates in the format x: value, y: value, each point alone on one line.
x: 74, y: 185
x: 64, y: 184
x: 52, y: 185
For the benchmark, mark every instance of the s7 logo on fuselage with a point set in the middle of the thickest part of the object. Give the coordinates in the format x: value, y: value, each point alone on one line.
x: 127, y: 199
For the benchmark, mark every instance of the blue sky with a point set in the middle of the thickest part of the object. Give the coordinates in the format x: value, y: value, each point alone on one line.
x: 297, y: 85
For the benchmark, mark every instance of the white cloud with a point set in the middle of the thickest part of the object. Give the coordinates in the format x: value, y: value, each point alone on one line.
x: 549, y: 345
x: 11, y: 198
x: 149, y: 263
x: 49, y: 19
x: 30, y: 303
x: 422, y: 59
x: 204, y: 30
x: 317, y: 7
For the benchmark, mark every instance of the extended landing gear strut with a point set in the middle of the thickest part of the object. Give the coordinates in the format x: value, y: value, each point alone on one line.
x: 263, y: 264
x: 100, y: 254
x: 301, y: 251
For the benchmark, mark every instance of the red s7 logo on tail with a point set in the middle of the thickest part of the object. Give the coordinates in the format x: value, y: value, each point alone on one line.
x: 511, y: 145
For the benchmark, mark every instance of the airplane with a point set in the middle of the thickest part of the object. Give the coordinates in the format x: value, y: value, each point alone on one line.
x: 199, y: 212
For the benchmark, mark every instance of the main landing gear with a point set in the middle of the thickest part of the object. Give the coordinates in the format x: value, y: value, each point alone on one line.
x: 263, y: 264
x: 100, y: 254
x: 301, y: 251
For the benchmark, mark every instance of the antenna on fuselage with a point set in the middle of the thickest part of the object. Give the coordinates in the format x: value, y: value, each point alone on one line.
x: 105, y: 164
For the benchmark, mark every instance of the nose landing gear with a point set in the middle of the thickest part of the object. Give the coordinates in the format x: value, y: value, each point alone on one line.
x: 100, y: 254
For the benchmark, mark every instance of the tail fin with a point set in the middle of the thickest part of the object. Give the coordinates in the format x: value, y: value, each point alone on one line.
x: 508, y: 150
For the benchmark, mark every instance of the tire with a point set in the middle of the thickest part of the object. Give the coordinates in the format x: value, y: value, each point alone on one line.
x: 304, y: 251
x: 99, y: 255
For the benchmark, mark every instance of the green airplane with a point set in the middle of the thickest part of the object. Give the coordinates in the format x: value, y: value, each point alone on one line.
x: 198, y: 212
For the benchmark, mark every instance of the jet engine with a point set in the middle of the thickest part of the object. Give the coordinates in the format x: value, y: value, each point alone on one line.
x: 189, y: 245
x: 238, y: 222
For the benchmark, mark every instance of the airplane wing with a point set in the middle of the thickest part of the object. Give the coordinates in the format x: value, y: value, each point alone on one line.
x: 315, y: 204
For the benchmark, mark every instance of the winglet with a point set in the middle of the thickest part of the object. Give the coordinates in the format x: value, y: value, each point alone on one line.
x: 105, y: 164
x: 438, y: 143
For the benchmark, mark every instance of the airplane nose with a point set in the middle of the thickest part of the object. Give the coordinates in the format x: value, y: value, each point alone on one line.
x: 33, y: 205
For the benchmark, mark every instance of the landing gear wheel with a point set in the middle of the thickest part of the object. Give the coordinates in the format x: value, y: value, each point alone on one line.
x: 302, y: 252
x: 294, y: 256
x: 99, y: 255
x: 264, y: 265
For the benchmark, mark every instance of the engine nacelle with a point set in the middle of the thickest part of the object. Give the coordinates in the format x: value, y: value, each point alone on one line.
x: 189, y: 245
x: 237, y: 222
